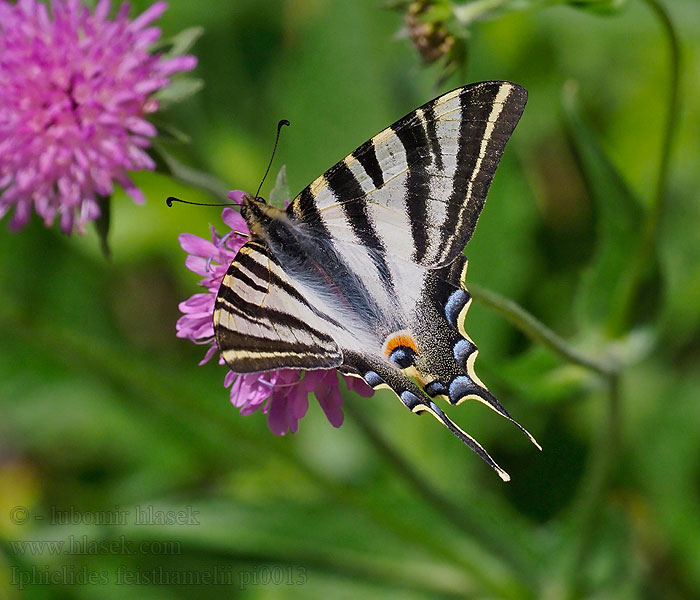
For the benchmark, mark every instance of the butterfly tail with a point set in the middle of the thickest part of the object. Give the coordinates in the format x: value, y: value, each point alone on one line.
x: 379, y: 374
x: 484, y: 396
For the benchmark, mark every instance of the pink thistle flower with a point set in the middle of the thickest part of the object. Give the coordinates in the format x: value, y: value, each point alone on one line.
x: 282, y: 394
x: 76, y: 90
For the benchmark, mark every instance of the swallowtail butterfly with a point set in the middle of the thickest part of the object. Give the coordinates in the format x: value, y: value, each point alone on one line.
x: 363, y: 271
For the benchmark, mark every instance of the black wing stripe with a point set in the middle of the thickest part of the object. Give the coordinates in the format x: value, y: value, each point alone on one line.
x: 306, y: 209
x: 260, y: 270
x: 367, y: 155
x: 227, y: 297
x: 248, y: 281
x: 413, y: 138
x: 415, y: 142
x: 249, y: 343
x: 431, y: 126
x: 264, y: 273
x: 228, y: 307
x: 257, y: 362
x: 471, y: 133
x: 344, y: 185
x: 496, y: 112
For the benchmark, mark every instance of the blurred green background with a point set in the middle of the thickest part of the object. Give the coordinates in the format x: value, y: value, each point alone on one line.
x: 103, y: 409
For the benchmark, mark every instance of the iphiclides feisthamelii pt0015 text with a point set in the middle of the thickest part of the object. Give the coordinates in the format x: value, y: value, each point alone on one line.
x: 363, y: 271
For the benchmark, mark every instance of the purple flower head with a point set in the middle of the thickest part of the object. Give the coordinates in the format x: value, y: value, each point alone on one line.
x: 282, y: 394
x: 77, y: 87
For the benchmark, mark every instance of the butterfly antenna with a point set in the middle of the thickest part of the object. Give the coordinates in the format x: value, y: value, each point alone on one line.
x: 170, y: 199
x: 274, y: 149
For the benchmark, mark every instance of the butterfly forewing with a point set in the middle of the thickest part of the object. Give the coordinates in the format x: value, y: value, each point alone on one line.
x: 416, y: 189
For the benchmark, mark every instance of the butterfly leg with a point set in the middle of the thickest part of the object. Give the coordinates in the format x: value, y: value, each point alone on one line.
x: 379, y: 374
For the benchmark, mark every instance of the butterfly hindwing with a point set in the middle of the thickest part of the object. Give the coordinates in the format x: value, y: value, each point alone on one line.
x: 446, y: 368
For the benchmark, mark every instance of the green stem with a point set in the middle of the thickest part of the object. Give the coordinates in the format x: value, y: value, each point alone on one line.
x: 443, y: 506
x: 592, y: 490
x: 648, y: 239
x: 673, y: 110
x: 539, y: 332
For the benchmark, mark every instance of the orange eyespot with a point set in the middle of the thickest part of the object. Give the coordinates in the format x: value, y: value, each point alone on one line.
x: 399, y: 339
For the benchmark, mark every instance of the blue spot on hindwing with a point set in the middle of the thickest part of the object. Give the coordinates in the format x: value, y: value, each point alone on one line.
x: 462, y: 386
x: 462, y: 349
x: 454, y: 305
x: 373, y: 379
x: 410, y: 399
x: 435, y: 388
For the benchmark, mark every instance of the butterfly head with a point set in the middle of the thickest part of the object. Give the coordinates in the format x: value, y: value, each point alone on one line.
x: 258, y: 214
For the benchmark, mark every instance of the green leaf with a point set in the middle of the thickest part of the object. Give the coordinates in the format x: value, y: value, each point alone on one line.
x: 184, y: 41
x: 178, y: 44
x: 604, y: 287
x: 279, y: 194
x: 179, y: 90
